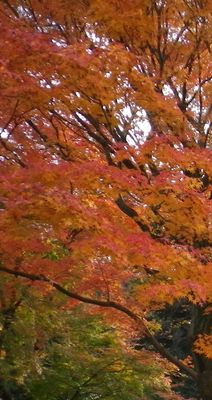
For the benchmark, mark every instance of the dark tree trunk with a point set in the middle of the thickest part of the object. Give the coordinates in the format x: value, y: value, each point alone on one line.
x: 202, y: 324
x: 205, y: 381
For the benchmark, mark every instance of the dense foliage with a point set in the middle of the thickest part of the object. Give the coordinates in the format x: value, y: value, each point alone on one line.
x: 105, y: 200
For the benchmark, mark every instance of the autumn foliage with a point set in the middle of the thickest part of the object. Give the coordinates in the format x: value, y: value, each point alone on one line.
x: 106, y: 164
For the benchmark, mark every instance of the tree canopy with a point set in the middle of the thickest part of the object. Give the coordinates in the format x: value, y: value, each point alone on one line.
x: 105, y: 198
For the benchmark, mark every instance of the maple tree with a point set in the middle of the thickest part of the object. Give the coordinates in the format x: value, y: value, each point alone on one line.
x: 92, y: 206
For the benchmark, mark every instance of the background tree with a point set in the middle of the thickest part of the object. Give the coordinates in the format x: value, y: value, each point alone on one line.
x: 125, y: 213
x: 46, y: 354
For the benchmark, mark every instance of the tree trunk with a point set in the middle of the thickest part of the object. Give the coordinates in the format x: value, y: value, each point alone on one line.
x: 205, y: 381
x: 202, y: 324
